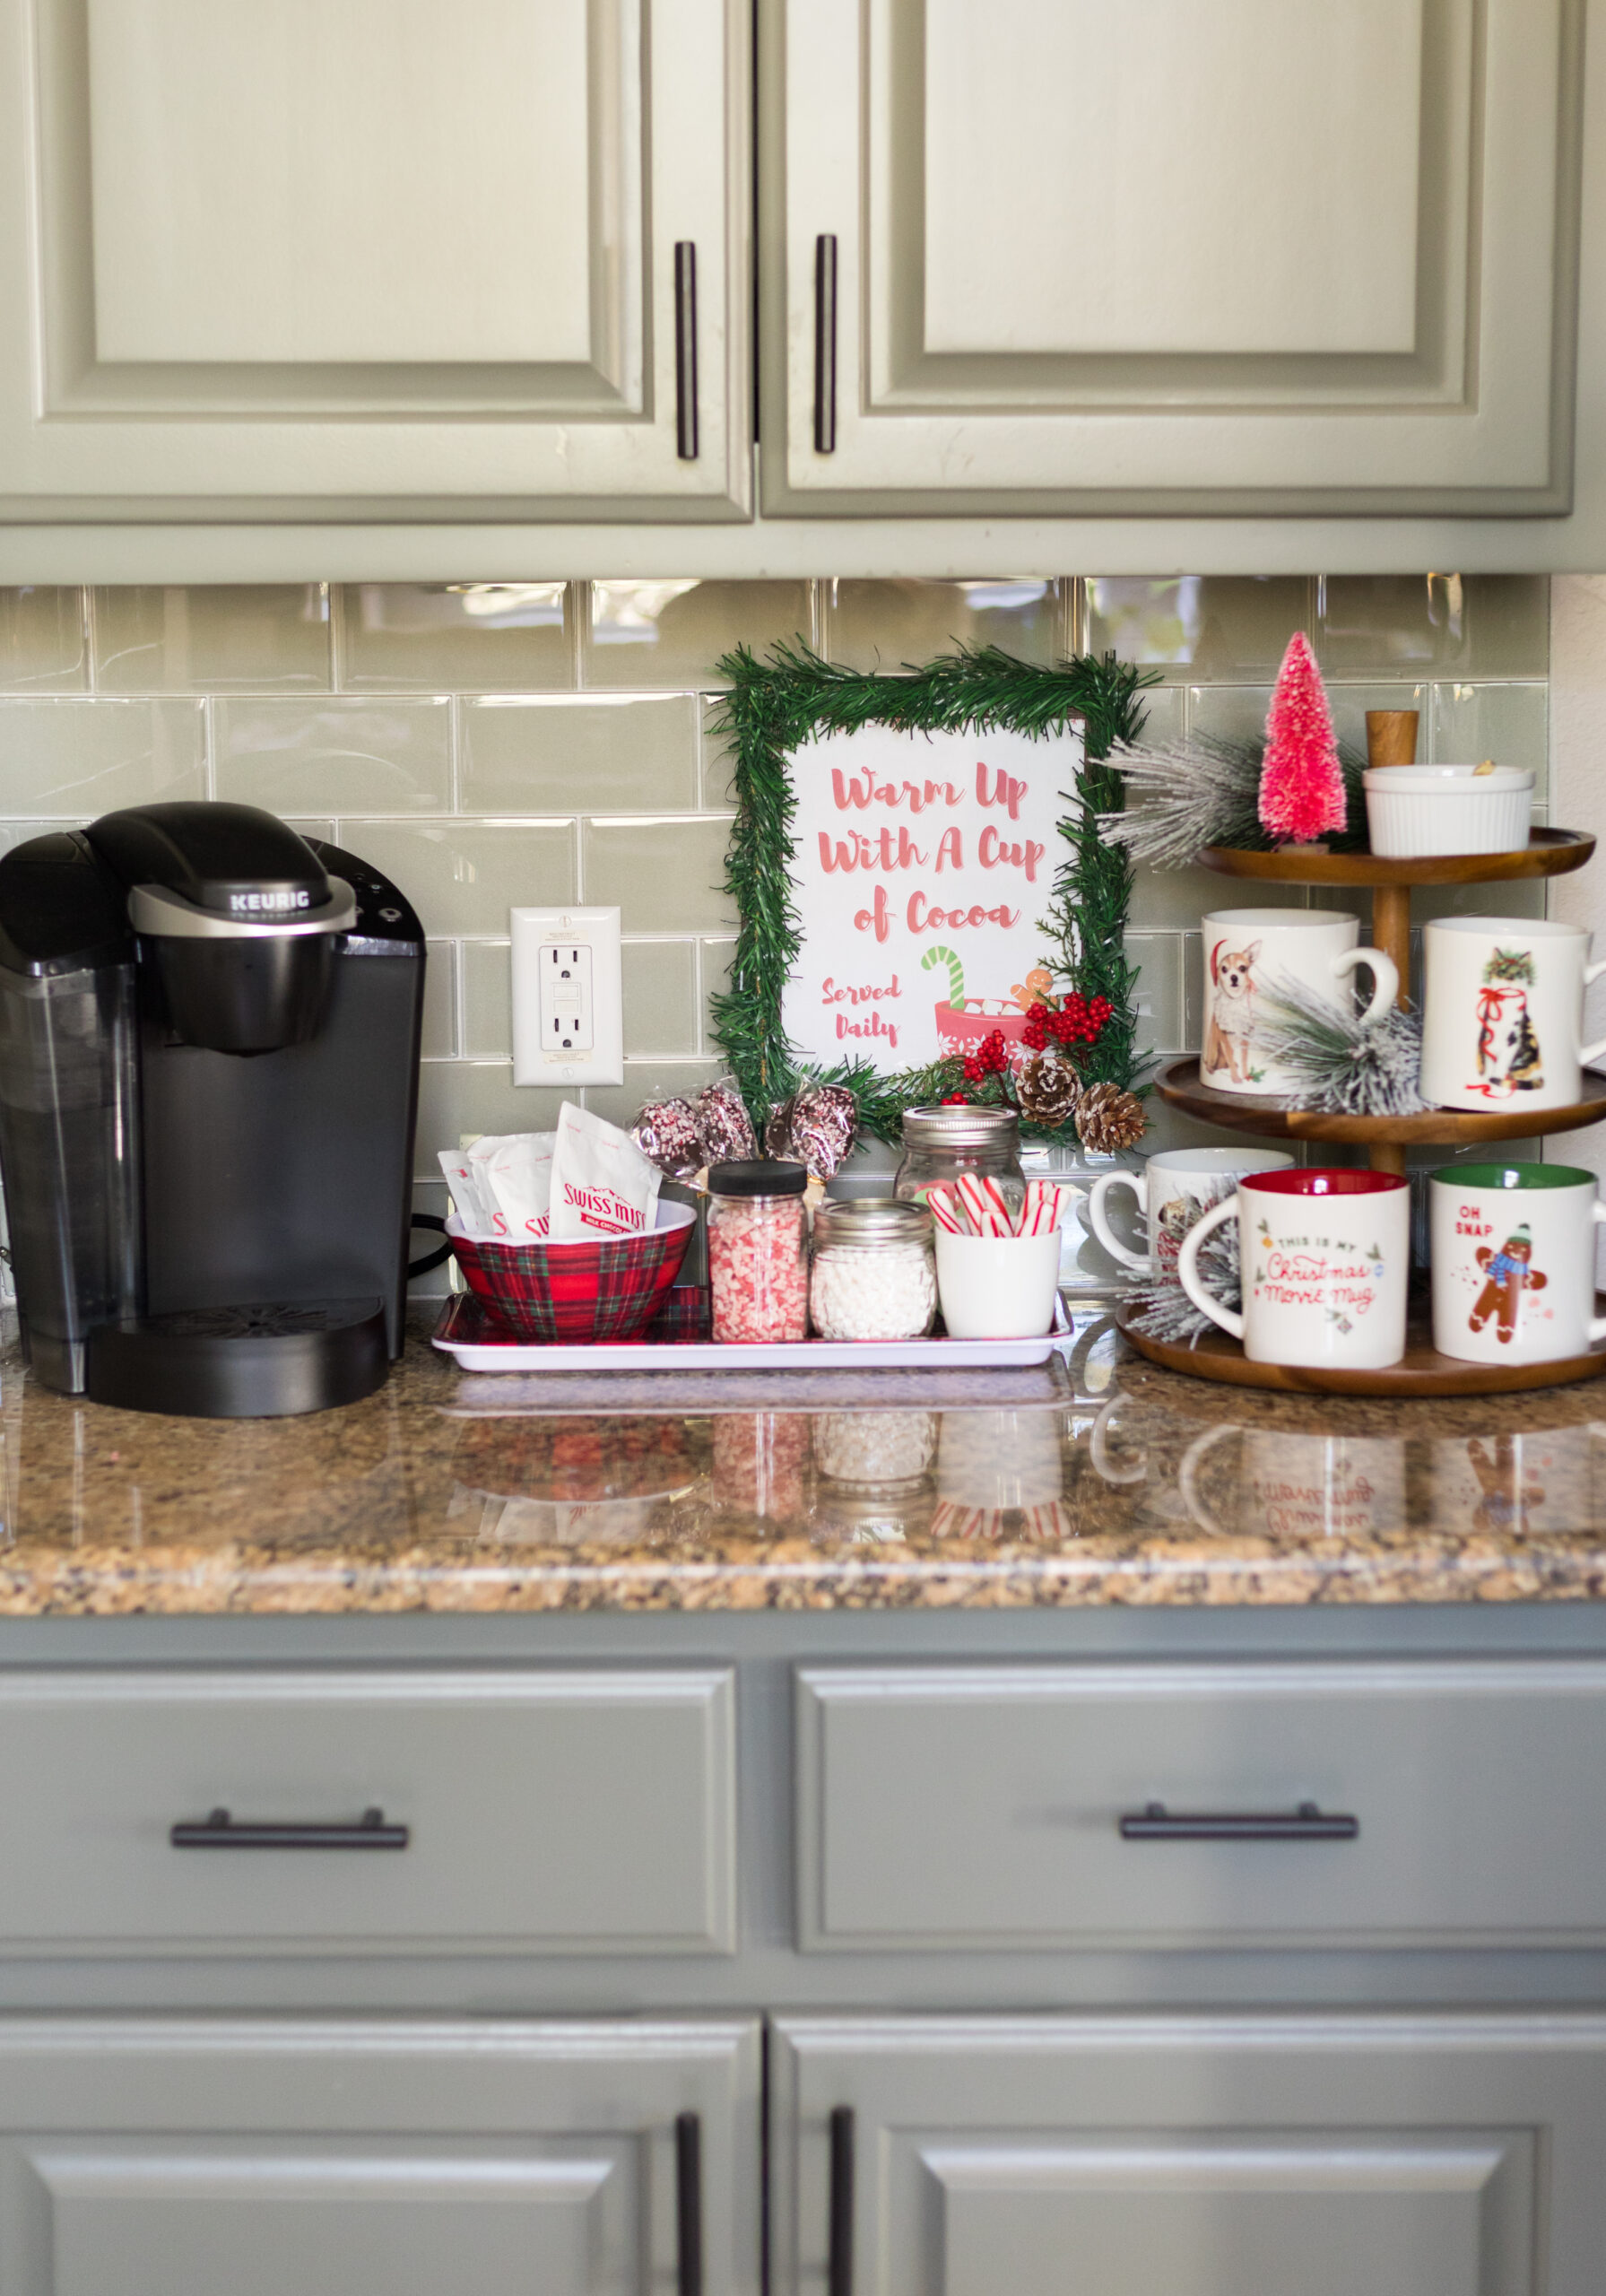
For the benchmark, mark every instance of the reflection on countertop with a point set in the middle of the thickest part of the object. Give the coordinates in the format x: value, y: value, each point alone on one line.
x: 1097, y: 1480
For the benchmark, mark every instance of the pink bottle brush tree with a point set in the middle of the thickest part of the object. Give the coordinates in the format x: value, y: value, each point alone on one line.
x: 1301, y: 783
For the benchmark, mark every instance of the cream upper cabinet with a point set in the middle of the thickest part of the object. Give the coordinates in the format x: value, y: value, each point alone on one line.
x: 1171, y: 256
x: 453, y: 259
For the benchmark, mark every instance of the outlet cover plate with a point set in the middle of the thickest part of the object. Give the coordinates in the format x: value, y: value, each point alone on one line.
x: 534, y: 1063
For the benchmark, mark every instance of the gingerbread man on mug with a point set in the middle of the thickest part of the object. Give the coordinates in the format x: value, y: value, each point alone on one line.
x: 1510, y: 1272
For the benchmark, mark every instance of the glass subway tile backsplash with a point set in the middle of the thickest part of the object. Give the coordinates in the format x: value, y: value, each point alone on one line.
x: 494, y: 744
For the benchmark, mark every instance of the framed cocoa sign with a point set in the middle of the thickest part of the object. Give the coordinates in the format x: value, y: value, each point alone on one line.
x: 915, y: 863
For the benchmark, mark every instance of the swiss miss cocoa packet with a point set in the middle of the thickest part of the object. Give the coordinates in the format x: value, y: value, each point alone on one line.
x: 601, y: 1183
x: 501, y: 1186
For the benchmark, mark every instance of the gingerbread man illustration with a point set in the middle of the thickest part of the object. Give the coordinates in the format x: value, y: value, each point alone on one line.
x: 1510, y: 1272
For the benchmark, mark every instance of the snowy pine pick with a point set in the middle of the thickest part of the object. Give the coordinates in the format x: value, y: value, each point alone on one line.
x: 1163, y: 1310
x: 1347, y: 1065
x: 1301, y: 783
x: 1184, y: 795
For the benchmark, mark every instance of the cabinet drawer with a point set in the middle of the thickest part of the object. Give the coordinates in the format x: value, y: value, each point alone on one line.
x: 983, y: 1807
x: 545, y: 1812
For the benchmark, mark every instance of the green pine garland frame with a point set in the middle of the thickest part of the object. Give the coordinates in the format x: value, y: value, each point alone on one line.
x: 774, y: 708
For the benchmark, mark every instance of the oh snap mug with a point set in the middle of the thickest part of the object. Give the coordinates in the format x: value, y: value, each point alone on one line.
x: 1514, y: 1262
x: 1173, y: 1189
x: 1325, y: 1258
x: 1247, y: 953
x: 1503, y: 1012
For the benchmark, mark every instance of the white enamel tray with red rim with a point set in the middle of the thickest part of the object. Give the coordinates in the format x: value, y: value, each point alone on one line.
x: 466, y: 1332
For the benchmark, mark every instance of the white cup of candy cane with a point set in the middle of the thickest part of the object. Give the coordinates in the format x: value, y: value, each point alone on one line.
x: 997, y: 1276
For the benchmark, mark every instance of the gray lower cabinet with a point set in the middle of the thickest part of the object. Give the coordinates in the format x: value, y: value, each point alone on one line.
x: 1189, y: 2156
x: 291, y: 2158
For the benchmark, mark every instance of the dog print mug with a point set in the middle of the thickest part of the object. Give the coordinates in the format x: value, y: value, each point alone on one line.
x: 1503, y: 1012
x: 1247, y: 953
x: 1514, y: 1262
x: 1325, y: 1256
x: 1174, y: 1189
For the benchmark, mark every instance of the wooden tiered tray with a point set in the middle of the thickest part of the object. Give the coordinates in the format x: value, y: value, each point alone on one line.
x: 1179, y: 1086
x: 1422, y: 1370
x: 1549, y: 853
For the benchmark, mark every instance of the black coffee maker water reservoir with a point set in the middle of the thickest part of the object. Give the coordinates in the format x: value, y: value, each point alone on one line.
x: 209, y: 1039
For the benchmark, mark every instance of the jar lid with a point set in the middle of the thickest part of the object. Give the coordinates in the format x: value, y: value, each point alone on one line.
x: 960, y: 1126
x: 870, y: 1222
x: 759, y: 1175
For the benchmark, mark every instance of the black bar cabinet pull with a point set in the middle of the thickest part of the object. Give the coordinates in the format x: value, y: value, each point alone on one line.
x: 685, y: 350
x: 220, y: 1831
x: 825, y: 344
x: 839, y: 2269
x: 1155, y: 1822
x: 689, y: 2204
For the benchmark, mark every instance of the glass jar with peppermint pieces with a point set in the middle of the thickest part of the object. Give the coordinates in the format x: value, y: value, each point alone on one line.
x: 758, y: 1251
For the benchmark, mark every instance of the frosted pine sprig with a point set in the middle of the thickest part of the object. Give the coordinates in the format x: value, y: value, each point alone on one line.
x: 1301, y: 785
x: 1346, y: 1065
x: 1162, y: 1310
x: 1184, y: 795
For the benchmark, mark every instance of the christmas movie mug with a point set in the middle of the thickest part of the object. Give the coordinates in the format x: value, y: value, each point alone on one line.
x: 1514, y: 1262
x: 1247, y: 952
x: 1173, y: 1189
x: 1503, y: 1012
x: 1325, y: 1259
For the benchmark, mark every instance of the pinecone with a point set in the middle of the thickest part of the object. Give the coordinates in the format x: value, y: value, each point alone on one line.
x: 1108, y: 1118
x: 1048, y: 1090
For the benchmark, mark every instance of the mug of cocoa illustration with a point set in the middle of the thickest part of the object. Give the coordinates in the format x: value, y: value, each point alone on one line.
x: 1325, y: 1259
x: 1514, y: 1262
x: 1503, y: 1012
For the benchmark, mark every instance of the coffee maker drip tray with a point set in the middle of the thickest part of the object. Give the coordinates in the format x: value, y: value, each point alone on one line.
x: 261, y: 1360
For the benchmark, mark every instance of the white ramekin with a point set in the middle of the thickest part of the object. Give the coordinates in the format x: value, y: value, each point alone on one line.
x: 1423, y: 809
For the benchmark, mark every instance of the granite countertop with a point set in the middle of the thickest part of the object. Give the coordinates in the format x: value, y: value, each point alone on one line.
x: 1097, y: 1480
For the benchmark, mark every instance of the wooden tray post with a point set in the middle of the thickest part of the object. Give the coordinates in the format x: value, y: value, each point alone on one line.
x: 1390, y: 933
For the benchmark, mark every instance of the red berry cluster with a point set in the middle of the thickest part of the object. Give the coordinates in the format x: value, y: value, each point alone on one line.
x: 955, y: 1100
x: 990, y: 1058
x: 1080, y: 1020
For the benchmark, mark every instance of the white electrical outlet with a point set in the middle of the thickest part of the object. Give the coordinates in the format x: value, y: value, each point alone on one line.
x: 567, y: 1010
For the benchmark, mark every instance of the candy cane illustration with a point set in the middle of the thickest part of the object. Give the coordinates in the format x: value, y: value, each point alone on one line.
x: 956, y: 973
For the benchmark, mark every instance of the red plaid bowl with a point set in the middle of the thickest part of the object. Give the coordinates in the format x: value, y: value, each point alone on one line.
x: 577, y: 1287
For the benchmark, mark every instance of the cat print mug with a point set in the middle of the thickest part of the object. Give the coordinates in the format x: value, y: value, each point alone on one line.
x: 1325, y: 1256
x: 1173, y: 1189
x: 1503, y: 1012
x: 1514, y: 1262
x: 1246, y: 951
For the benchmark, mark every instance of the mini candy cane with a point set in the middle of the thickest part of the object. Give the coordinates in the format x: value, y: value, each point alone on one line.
x: 986, y: 1210
x: 940, y: 955
x: 1045, y: 1207
x: 1010, y: 1225
x: 947, y: 1212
